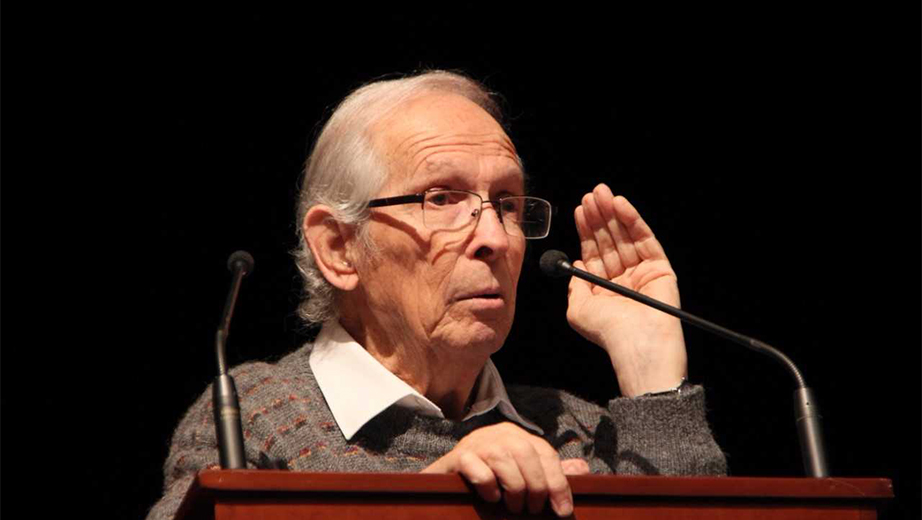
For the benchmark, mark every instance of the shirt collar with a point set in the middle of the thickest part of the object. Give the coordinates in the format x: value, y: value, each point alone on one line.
x: 357, y: 387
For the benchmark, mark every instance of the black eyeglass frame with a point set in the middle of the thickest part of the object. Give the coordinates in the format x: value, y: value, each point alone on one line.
x: 421, y: 198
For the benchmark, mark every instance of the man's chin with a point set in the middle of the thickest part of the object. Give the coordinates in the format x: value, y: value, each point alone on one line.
x: 478, y: 324
x: 488, y: 335
x: 470, y: 334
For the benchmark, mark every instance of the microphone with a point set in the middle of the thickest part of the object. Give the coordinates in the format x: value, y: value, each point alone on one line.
x: 240, y: 260
x: 556, y: 264
x: 224, y: 393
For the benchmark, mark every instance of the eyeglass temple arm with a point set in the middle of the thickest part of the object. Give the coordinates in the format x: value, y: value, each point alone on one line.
x: 393, y: 201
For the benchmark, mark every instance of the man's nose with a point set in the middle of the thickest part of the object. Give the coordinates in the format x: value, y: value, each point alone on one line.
x: 490, y: 238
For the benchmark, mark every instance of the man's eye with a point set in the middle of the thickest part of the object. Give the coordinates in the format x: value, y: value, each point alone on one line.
x: 513, y: 206
x: 438, y: 199
x: 445, y: 198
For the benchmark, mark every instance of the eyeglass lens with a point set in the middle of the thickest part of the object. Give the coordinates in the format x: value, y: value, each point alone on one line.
x: 451, y: 210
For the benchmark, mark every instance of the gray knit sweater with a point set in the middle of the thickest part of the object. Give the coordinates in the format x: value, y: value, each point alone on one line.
x: 285, y: 419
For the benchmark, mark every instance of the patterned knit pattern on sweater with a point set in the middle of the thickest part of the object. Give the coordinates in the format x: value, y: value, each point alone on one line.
x: 285, y: 418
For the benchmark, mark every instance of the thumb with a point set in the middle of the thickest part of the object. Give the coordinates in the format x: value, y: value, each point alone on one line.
x: 579, y: 289
x: 446, y: 464
x: 575, y: 467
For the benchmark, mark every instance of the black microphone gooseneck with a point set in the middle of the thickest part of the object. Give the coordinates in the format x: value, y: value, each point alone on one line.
x: 224, y: 393
x: 556, y: 263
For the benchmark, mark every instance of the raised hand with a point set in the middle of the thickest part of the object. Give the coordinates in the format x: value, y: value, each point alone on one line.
x: 504, y: 461
x: 646, y: 346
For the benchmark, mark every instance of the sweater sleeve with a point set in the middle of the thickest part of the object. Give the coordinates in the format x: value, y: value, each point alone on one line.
x: 193, y: 448
x: 664, y: 435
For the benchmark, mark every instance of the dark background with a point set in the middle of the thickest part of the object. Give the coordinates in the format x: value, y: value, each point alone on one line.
x: 774, y: 150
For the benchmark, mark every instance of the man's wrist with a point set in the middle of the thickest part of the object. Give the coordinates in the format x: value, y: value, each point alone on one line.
x: 676, y: 390
x: 664, y: 377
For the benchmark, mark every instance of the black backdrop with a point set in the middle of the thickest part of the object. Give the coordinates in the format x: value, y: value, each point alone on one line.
x: 774, y: 151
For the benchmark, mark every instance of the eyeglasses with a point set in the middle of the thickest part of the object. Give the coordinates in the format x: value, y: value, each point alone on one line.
x: 455, y: 210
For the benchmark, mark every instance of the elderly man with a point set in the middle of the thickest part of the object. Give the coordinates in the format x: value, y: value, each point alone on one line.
x: 414, y: 220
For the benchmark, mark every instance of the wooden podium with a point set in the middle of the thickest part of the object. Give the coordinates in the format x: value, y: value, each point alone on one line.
x: 270, y: 495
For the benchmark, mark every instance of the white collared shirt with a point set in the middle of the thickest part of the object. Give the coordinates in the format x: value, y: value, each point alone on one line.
x: 357, y: 387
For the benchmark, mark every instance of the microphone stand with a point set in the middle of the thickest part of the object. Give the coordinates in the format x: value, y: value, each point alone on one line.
x: 224, y: 393
x: 806, y: 413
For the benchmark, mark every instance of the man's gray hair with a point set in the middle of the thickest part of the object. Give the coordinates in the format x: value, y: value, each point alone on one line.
x: 344, y: 170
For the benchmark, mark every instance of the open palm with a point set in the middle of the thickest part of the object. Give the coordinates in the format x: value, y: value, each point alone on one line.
x: 645, y: 345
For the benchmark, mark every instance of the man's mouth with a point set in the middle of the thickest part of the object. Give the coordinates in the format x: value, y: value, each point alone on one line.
x: 489, y: 294
x: 486, y: 300
x: 485, y: 297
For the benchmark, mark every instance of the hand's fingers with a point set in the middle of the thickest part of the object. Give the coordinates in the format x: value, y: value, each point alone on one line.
x: 589, y: 250
x: 558, y: 488
x: 507, y: 470
x: 603, y: 238
x: 605, y: 201
x: 575, y: 467
x: 645, y: 242
x: 480, y: 476
x: 533, y: 471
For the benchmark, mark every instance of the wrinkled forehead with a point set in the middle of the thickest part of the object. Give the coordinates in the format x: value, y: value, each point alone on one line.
x: 438, y: 133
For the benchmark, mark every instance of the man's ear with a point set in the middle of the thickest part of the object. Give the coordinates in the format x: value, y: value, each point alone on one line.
x: 331, y: 242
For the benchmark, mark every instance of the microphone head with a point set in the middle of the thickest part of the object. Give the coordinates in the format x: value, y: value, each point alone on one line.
x: 551, y: 262
x: 241, y: 260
